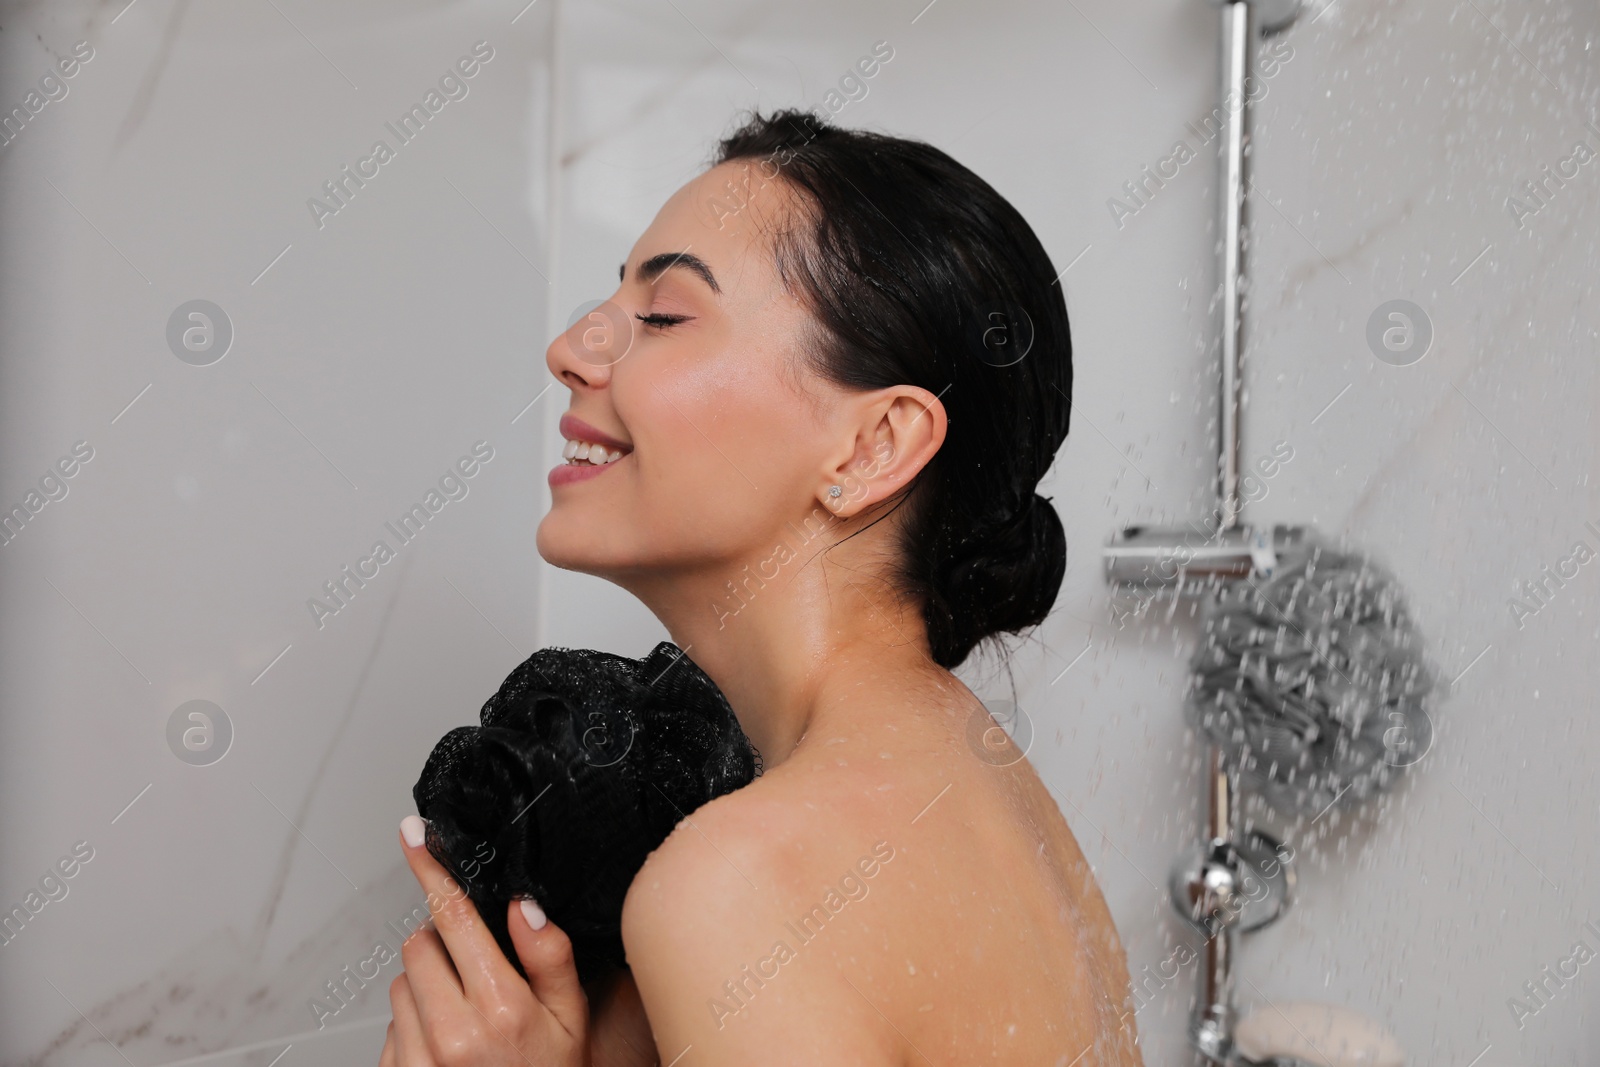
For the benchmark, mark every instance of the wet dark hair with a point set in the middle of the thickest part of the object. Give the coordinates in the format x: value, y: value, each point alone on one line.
x: 918, y: 272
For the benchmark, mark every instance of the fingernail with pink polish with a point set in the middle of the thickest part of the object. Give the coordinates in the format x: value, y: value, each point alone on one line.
x: 413, y: 829
x: 533, y: 913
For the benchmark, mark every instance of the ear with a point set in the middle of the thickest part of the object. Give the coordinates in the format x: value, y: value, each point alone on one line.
x: 894, y: 433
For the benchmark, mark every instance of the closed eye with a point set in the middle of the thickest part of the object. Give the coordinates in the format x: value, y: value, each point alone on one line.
x: 660, y: 321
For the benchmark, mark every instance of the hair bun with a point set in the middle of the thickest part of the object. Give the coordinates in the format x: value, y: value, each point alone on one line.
x: 1004, y: 580
x: 583, y: 763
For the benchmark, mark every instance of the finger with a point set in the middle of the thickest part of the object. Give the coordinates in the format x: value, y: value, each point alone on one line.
x: 546, y: 954
x: 485, y: 972
x: 431, y: 976
x: 387, y: 1057
x: 406, y: 1033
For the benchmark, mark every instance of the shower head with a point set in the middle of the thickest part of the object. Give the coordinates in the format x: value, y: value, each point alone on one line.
x: 1313, y: 681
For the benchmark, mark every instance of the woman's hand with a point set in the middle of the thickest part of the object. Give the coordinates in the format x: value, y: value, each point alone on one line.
x: 460, y: 1003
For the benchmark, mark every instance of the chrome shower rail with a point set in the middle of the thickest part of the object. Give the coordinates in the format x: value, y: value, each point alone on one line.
x: 1238, y: 40
x: 1206, y: 886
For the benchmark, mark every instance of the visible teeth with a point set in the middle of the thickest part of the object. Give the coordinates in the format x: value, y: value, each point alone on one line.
x: 575, y: 451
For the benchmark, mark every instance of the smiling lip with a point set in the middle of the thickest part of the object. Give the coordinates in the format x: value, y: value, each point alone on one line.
x: 565, y: 473
x: 575, y: 429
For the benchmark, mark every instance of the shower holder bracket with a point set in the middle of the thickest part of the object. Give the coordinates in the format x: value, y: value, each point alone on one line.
x: 1271, y: 16
x: 1245, y: 885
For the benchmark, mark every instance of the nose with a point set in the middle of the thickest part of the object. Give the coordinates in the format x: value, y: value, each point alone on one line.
x: 587, y: 352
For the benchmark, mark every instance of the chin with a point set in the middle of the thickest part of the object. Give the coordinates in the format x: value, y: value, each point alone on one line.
x: 570, y: 546
x: 557, y: 546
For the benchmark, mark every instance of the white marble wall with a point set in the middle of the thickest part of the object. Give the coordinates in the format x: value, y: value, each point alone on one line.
x: 378, y: 348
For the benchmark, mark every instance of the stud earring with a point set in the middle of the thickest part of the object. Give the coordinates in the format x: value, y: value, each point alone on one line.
x: 835, y: 491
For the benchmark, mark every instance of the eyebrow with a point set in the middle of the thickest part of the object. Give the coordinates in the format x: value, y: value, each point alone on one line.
x: 655, y: 266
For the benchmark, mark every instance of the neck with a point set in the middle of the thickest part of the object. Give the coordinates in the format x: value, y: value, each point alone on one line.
x: 789, y: 633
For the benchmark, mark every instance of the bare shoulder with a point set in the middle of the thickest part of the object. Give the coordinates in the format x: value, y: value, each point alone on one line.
x: 735, y: 925
x: 884, y: 894
x: 736, y: 860
x: 780, y: 837
x: 732, y: 843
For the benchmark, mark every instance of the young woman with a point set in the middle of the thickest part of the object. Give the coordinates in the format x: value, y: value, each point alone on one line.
x: 806, y: 432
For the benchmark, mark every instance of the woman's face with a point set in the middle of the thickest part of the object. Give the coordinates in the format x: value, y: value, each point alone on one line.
x: 720, y: 447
